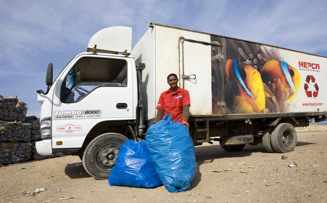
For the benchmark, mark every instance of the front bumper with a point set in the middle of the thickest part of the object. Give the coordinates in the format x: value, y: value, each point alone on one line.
x: 44, y: 147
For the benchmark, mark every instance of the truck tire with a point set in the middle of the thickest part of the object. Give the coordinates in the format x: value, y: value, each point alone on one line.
x: 283, y: 138
x: 266, y: 140
x: 101, y: 153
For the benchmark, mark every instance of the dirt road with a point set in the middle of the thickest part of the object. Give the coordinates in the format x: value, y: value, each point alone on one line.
x: 248, y: 176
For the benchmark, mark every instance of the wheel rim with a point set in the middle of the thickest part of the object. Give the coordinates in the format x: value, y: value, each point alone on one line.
x: 287, y: 138
x: 107, y: 156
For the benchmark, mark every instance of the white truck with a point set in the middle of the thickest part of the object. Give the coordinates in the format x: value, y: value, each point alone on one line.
x: 241, y: 93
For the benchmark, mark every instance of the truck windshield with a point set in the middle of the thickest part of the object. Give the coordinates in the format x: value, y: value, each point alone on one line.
x: 90, y: 73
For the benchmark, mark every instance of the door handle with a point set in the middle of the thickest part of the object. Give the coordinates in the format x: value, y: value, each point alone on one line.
x: 189, y: 77
x: 121, y: 105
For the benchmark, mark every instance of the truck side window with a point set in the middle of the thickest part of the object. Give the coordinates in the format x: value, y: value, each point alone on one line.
x: 90, y: 73
x: 70, y: 82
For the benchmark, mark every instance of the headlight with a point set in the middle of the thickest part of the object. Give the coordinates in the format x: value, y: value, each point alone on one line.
x: 46, y: 128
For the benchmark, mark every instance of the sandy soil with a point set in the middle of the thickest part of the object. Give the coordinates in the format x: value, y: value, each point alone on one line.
x: 248, y: 176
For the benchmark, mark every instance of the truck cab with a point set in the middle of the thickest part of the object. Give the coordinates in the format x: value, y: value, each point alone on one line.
x: 90, y: 109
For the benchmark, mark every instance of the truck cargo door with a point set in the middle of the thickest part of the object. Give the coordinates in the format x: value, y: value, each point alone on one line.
x: 195, y: 69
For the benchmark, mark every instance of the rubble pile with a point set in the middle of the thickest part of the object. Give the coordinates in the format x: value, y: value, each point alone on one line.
x: 15, y: 132
x: 18, y: 133
x: 11, y: 109
x: 15, y: 152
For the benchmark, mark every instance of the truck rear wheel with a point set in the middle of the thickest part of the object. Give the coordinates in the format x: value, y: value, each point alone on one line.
x: 101, y: 153
x: 266, y: 140
x: 284, y: 138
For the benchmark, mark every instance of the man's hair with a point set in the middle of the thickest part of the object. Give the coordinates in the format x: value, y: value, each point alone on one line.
x: 172, y: 74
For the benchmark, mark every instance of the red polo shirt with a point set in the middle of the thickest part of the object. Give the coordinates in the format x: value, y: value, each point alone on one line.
x: 173, y: 103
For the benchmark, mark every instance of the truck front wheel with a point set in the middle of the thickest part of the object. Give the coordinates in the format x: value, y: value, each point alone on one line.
x: 283, y: 138
x: 101, y: 153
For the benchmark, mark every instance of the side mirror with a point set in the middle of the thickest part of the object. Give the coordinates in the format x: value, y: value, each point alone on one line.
x: 140, y: 66
x: 49, y: 77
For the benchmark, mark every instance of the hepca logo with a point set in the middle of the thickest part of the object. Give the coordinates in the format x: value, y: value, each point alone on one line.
x: 311, y: 87
x: 69, y: 128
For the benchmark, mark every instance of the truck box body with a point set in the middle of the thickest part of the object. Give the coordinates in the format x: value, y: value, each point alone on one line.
x: 214, y: 88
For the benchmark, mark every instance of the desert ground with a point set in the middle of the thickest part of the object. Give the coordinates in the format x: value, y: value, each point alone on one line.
x: 251, y: 175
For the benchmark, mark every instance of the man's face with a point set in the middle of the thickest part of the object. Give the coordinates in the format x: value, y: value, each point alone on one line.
x: 172, y: 81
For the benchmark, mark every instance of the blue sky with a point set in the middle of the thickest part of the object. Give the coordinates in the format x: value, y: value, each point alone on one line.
x: 34, y: 33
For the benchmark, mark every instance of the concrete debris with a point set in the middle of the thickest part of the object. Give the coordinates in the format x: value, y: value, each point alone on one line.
x: 284, y: 157
x: 293, y: 164
x: 38, y: 190
x: 65, y: 198
x: 228, y: 169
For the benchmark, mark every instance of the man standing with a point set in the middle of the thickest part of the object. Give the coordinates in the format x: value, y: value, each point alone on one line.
x: 174, y: 101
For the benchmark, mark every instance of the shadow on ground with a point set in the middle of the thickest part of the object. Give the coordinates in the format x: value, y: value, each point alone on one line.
x: 299, y: 144
x: 207, y: 154
x: 76, y: 170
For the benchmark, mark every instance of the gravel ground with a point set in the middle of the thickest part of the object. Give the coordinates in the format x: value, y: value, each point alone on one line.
x: 252, y: 175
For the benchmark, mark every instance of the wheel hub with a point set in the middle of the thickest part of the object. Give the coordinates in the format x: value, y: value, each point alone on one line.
x: 111, y: 156
x: 287, y: 138
x: 107, y: 156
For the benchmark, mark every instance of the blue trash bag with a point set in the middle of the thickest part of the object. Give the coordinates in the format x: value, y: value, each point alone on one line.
x: 134, y: 167
x: 172, y: 151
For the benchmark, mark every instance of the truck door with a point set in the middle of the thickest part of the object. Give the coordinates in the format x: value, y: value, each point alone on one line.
x: 91, y: 90
x: 196, y: 75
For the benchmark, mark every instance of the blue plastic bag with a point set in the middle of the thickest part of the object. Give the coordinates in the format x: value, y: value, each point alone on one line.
x: 134, y: 167
x: 172, y: 151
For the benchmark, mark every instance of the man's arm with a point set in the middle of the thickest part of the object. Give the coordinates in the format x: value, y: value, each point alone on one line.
x: 160, y: 113
x: 186, y: 112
